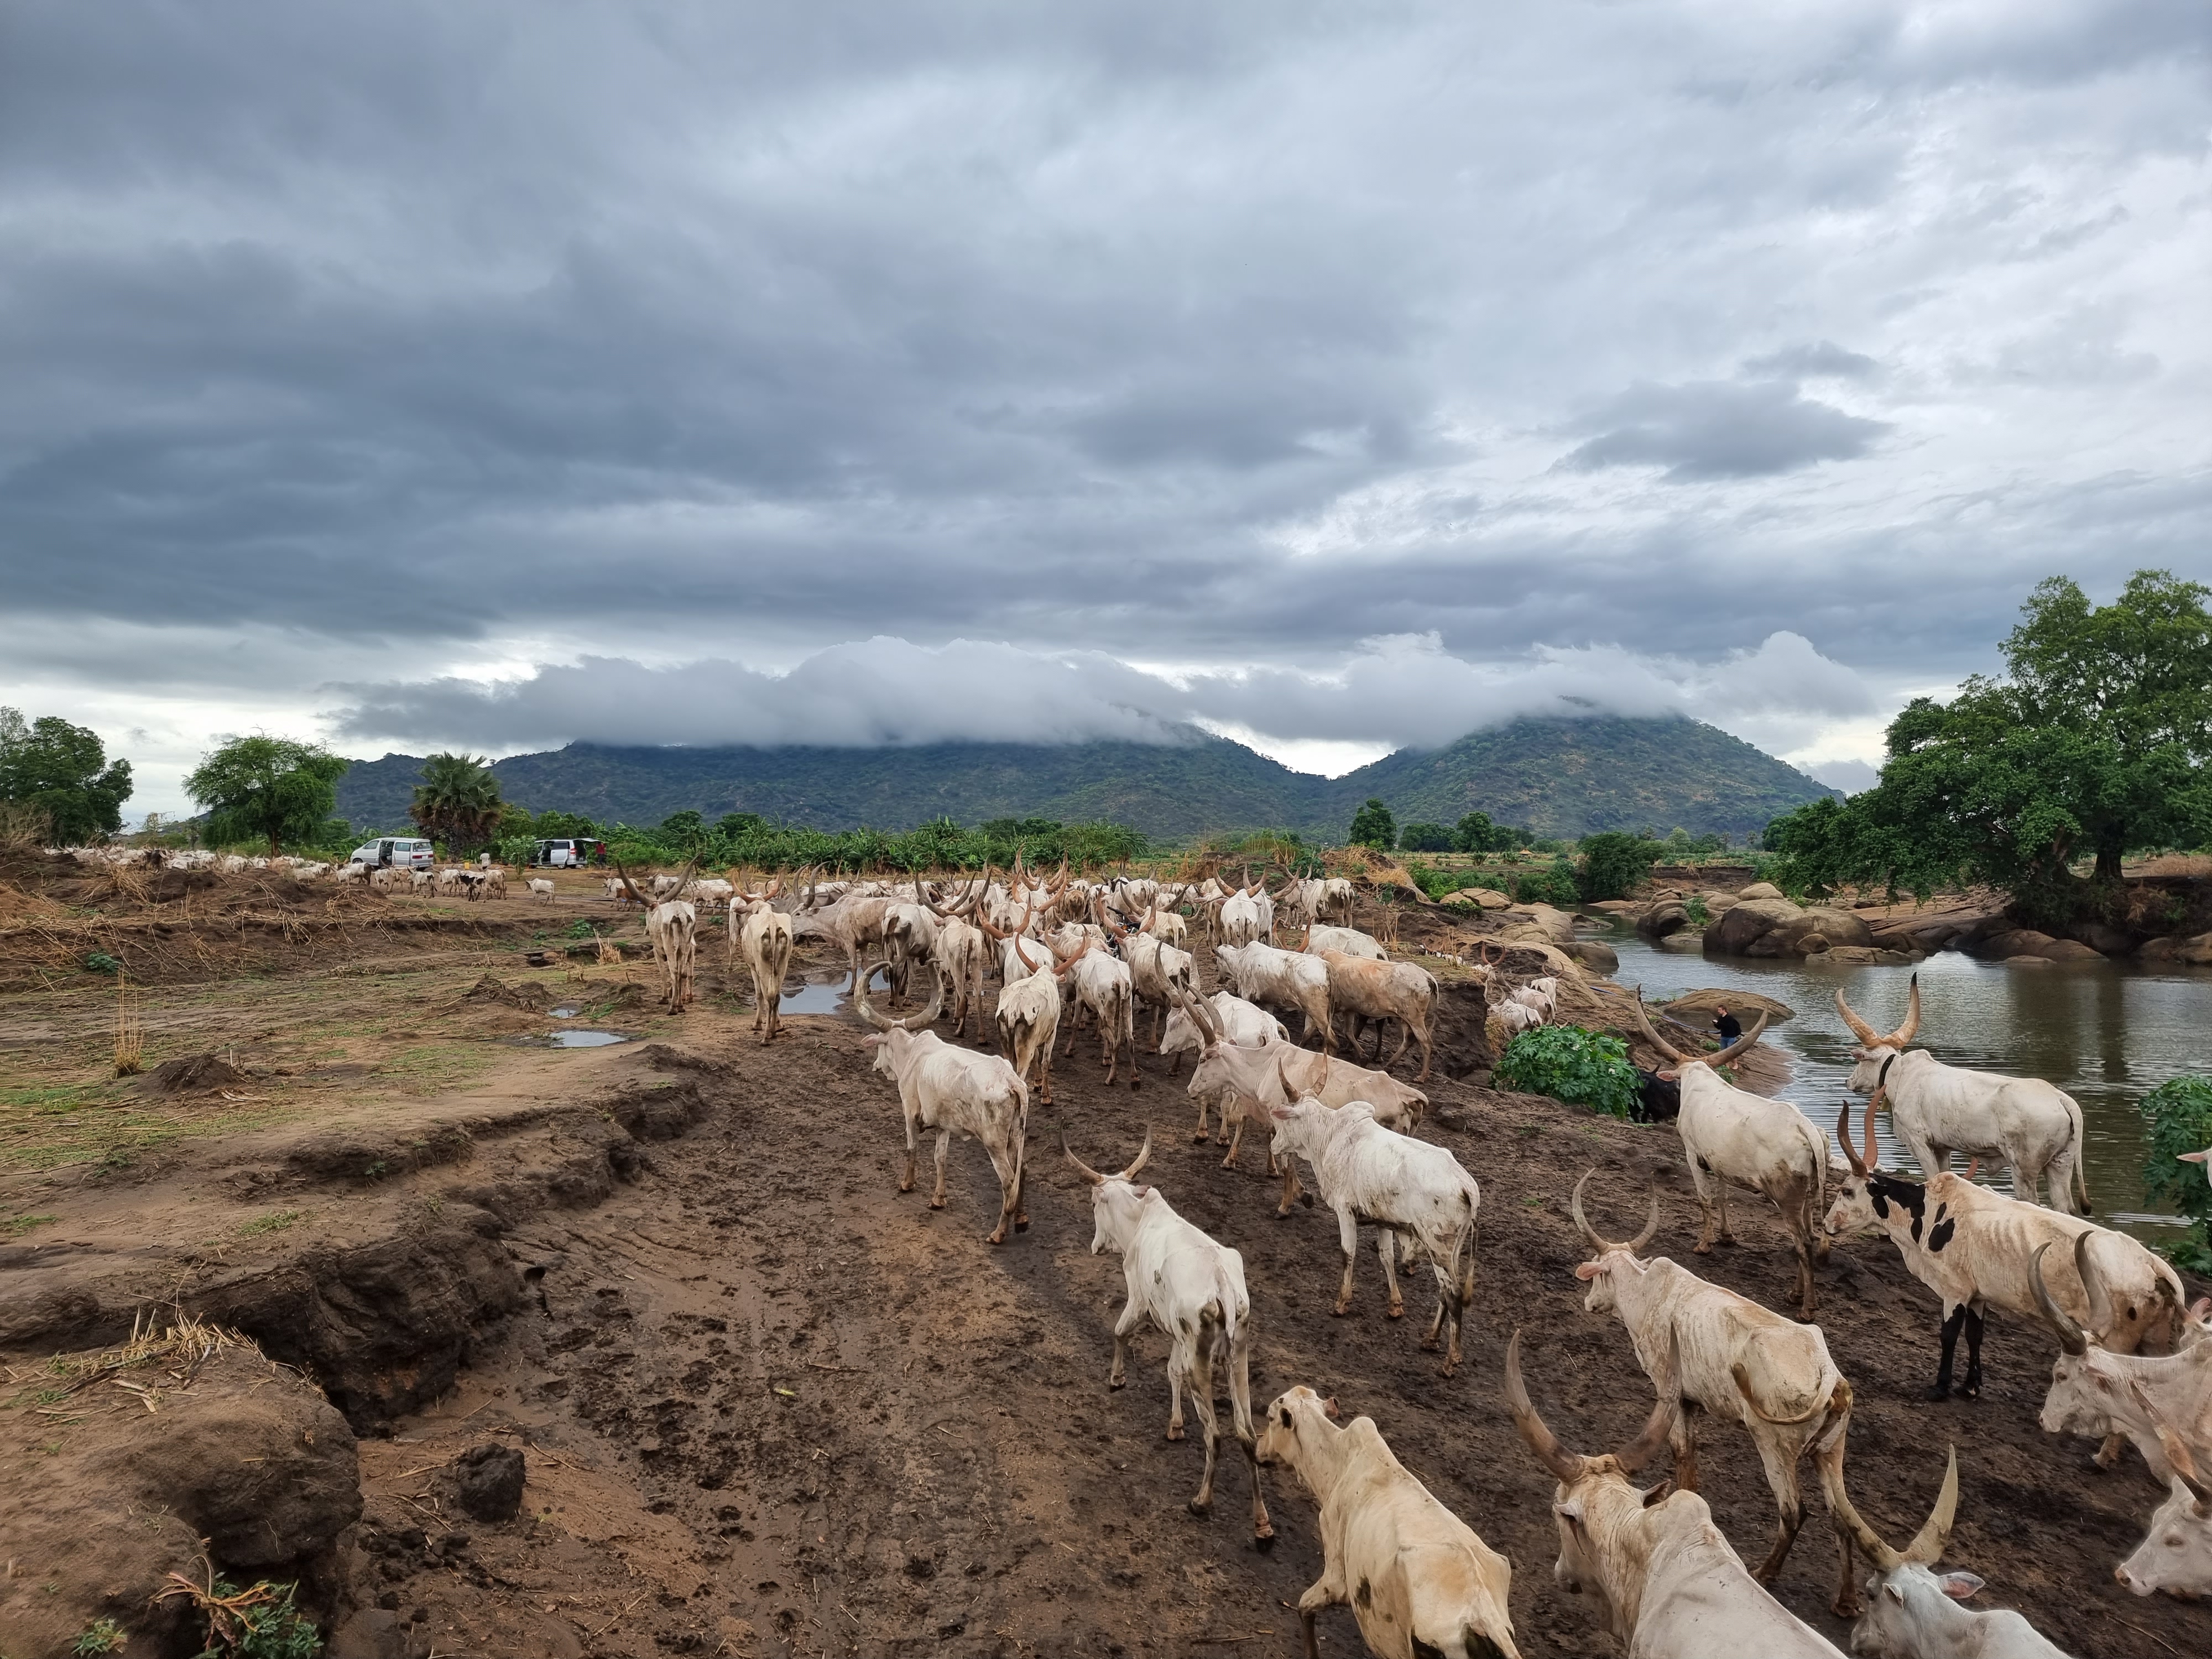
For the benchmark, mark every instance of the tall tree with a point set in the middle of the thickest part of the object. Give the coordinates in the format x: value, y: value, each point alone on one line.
x: 62, y: 772
x: 458, y: 801
x: 266, y: 787
x: 2098, y: 741
x: 1373, y: 826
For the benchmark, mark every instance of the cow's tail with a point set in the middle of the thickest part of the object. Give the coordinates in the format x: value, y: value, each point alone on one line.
x: 1463, y: 1243
x: 2078, y: 1174
x: 1224, y: 1288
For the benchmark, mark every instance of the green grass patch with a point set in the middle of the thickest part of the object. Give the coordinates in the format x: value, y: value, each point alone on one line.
x: 16, y: 1226
x: 275, y: 1222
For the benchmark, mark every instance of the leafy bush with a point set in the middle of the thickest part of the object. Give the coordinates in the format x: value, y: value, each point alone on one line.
x: 102, y: 1636
x: 1612, y: 863
x: 100, y: 962
x: 1582, y: 1067
x: 1373, y: 826
x: 1427, y: 838
x: 2178, y: 1115
x: 1554, y: 886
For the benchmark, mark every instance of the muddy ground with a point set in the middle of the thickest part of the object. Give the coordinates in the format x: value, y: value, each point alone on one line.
x: 770, y: 1405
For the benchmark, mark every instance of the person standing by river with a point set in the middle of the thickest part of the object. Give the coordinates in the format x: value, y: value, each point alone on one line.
x: 1728, y: 1025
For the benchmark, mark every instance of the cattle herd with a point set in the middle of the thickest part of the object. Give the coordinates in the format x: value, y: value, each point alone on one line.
x: 2134, y: 1366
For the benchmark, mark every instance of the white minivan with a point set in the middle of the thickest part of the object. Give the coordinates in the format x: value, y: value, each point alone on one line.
x: 395, y: 852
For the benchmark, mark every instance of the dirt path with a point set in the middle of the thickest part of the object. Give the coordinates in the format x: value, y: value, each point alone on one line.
x: 771, y: 1407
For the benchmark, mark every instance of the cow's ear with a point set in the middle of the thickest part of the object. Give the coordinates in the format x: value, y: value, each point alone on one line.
x: 1588, y: 1270
x: 1328, y: 1407
x: 1959, y: 1585
x: 1659, y: 1494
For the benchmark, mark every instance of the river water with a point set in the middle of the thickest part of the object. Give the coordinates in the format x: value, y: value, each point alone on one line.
x: 2105, y: 1032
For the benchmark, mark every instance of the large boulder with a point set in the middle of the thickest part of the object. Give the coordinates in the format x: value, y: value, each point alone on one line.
x: 1839, y: 928
x: 1596, y: 954
x: 2013, y: 942
x: 1760, y: 889
x: 1743, y: 931
x: 1667, y: 916
x: 1696, y: 1007
x: 2196, y: 952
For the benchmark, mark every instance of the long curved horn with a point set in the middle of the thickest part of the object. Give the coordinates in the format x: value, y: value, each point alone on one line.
x: 918, y: 1021
x: 1603, y: 1245
x: 2069, y: 1334
x: 2092, y: 1283
x: 1144, y: 1156
x: 1873, y: 1151
x: 631, y: 886
x: 1871, y: 1543
x: 1743, y: 1387
x: 1659, y: 1427
x: 1202, y: 1011
x: 1023, y: 954
x: 1652, y: 1037
x: 1089, y: 1174
x: 1926, y: 1548
x: 1844, y: 1134
x: 1864, y: 1032
x: 1741, y: 1043
x: 1564, y: 1464
x: 2178, y: 1455
x: 1903, y: 1033
x: 690, y: 875
x: 1063, y: 966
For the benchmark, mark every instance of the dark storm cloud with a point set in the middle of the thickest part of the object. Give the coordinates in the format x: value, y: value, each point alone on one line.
x: 1225, y: 335
x: 1721, y: 430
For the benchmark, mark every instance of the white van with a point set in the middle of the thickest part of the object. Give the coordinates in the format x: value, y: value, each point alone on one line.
x: 395, y: 852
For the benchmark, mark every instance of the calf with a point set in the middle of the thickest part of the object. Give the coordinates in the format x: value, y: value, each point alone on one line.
x: 1740, y: 1362
x: 1380, y: 991
x: 541, y: 888
x: 1973, y: 1246
x: 1672, y: 1587
x: 1418, y: 1580
x: 1192, y: 1291
x: 950, y: 1090
x: 1913, y: 1612
x: 1417, y: 1194
x: 2176, y: 1554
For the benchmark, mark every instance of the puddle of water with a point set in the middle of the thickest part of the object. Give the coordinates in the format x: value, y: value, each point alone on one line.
x: 584, y: 1039
x: 564, y: 1013
x: 828, y: 998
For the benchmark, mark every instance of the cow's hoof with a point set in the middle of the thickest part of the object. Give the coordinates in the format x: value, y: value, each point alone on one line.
x: 1197, y: 1508
x: 1396, y: 1313
x: 1342, y: 1309
x: 1851, y: 1609
x: 1264, y: 1540
x: 1447, y: 1369
x: 1972, y: 1391
x: 1021, y: 1224
x: 1939, y: 1391
x: 906, y: 1186
x: 1174, y: 1433
x: 1201, y: 1138
x: 1306, y: 1198
x: 1429, y: 1345
x: 1117, y: 1384
x: 1283, y: 1213
x: 996, y: 1238
x: 939, y: 1204
x: 1701, y: 1249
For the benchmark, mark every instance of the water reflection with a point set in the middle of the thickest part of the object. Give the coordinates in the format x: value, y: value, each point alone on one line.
x: 2105, y: 1033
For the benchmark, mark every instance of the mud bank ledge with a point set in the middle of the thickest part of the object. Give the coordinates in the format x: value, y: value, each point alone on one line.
x: 171, y: 1408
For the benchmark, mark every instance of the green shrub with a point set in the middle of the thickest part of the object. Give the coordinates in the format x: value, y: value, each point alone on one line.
x: 1612, y: 863
x: 1694, y: 908
x: 1582, y: 1067
x: 2178, y: 1115
x: 1554, y: 886
x: 1427, y: 838
x: 100, y: 962
x: 1373, y: 826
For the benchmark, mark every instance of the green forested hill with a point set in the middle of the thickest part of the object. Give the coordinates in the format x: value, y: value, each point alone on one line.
x: 1558, y: 777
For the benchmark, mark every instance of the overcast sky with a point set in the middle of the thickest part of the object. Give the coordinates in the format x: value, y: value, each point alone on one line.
x: 1338, y: 376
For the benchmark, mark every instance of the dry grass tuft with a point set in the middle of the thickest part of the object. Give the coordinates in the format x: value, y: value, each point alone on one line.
x: 609, y: 955
x: 130, y: 1028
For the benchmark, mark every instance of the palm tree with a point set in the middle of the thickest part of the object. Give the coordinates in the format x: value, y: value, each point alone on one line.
x: 458, y: 801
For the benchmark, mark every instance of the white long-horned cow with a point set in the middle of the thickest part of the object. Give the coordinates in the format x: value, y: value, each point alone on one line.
x: 1974, y: 1248
x: 1241, y: 1022
x: 1416, y: 1194
x: 1350, y: 940
x: 953, y: 1091
x: 1288, y: 978
x: 854, y: 921
x: 1912, y: 1610
x: 1192, y: 1291
x: 1104, y: 985
x: 2033, y: 1126
x: 2097, y: 1392
x: 1362, y: 989
x: 1672, y: 1587
x: 1248, y: 916
x: 962, y: 955
x: 1732, y: 1136
x: 1418, y: 1580
x: 2176, y: 1554
x: 672, y: 925
x: 763, y: 934
x: 1029, y: 1008
x: 1159, y: 974
x: 1742, y: 1363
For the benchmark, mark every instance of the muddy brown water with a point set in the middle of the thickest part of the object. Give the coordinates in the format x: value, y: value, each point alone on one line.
x: 2105, y: 1032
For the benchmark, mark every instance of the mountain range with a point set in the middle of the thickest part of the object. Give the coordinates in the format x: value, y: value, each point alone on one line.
x: 1556, y: 777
